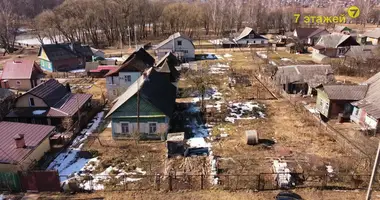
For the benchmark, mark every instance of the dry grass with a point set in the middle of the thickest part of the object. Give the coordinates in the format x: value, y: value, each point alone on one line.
x: 212, y: 194
x: 350, y: 79
x: 128, y: 154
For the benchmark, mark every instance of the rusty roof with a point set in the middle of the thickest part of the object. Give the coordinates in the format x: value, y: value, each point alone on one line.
x: 34, y: 135
x: 20, y: 69
x: 345, y: 92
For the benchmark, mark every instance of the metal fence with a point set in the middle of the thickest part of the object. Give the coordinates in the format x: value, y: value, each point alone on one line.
x: 253, y: 182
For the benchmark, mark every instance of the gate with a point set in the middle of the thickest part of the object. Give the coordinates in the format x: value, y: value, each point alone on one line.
x: 9, y: 182
x: 40, y: 181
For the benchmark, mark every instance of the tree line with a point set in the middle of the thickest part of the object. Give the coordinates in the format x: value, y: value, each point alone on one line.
x: 111, y: 22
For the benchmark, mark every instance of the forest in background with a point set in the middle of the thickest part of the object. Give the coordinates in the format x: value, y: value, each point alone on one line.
x: 103, y: 23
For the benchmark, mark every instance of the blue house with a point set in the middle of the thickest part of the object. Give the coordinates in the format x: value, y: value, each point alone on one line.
x: 149, y: 100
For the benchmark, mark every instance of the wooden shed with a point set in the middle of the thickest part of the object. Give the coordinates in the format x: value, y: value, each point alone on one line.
x: 175, y: 144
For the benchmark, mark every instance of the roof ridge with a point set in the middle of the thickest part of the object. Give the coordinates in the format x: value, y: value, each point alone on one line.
x: 59, y: 110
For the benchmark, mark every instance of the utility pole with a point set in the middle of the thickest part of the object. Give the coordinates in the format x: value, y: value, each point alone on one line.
x: 129, y: 36
x: 134, y: 27
x: 373, y: 175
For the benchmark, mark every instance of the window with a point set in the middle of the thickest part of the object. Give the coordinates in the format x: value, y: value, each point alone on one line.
x: 356, y: 111
x: 111, y: 80
x: 124, y: 127
x: 18, y: 82
x: 262, y: 41
x: 31, y: 102
x: 254, y: 41
x: 127, y: 78
x: 152, y: 127
x: 114, y: 92
x: 179, y: 43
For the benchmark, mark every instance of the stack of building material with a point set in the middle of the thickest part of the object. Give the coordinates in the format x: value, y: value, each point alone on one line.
x: 283, y: 176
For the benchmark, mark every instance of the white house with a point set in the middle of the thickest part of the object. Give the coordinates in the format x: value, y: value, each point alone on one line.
x: 119, y: 80
x: 249, y: 37
x: 181, y: 46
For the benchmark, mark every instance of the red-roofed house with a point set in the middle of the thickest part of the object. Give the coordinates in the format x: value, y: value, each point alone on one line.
x: 21, y: 75
x: 49, y: 103
x: 23, y: 145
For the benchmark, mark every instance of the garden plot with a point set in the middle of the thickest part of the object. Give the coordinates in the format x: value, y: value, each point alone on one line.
x: 219, y: 68
x: 68, y: 162
x: 245, y: 110
x: 89, y: 180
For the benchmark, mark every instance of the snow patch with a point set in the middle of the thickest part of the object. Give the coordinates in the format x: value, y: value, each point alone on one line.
x: 39, y: 112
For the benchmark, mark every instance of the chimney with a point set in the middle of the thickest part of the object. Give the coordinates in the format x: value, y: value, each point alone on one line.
x: 68, y: 88
x: 20, y: 141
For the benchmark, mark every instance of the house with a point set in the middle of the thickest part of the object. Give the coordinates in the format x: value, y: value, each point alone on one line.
x: 150, y: 100
x: 303, y: 79
x: 333, y: 100
x: 248, y: 37
x: 50, y: 103
x: 21, y: 75
x: 334, y: 45
x: 372, y: 36
x: 342, y: 30
x: 167, y: 66
x: 6, y: 102
x: 366, y: 111
x: 97, y: 54
x: 64, y: 57
x: 180, y: 45
x: 101, y: 71
x: 308, y: 36
x: 118, y: 80
x: 23, y: 145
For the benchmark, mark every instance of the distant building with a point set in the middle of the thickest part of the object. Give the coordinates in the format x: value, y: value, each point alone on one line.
x: 21, y: 75
x: 334, y: 45
x: 119, y: 79
x: 308, y: 36
x: 23, y: 145
x: 150, y: 100
x: 303, y: 78
x: 6, y: 102
x: 180, y: 45
x: 64, y: 57
x: 366, y: 111
x: 372, y: 36
x: 333, y: 100
x: 342, y: 30
x: 248, y: 37
x: 167, y: 66
x: 49, y: 103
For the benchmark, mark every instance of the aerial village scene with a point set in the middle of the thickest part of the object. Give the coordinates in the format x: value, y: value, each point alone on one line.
x: 189, y: 99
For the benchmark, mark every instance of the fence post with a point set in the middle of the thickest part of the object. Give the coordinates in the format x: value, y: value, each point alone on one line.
x: 202, y: 178
x: 170, y: 182
x: 259, y: 183
x: 157, y: 181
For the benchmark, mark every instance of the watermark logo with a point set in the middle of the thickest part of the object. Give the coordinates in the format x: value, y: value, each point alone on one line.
x: 353, y: 12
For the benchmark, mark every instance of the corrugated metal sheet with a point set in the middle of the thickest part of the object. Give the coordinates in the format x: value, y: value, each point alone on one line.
x: 371, y: 102
x: 346, y: 92
x: 20, y: 69
x: 34, y: 135
x: 10, y: 181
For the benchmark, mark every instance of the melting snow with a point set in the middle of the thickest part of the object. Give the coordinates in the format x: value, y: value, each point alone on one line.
x: 262, y: 55
x: 68, y: 163
x: 39, y: 112
x: 227, y: 55
x: 219, y: 68
x: 198, y: 143
x: 247, y: 110
x: 285, y: 59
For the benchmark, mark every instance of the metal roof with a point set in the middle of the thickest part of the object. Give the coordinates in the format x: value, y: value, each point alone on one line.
x: 154, y: 88
x: 50, y: 92
x: 20, y: 69
x: 246, y: 32
x: 314, y: 75
x: 171, y: 38
x: 5, y: 93
x: 34, y: 134
x: 167, y: 65
x: 371, y: 102
x: 333, y: 40
x: 304, y: 33
x: 65, y: 51
x: 375, y: 33
x: 345, y: 92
